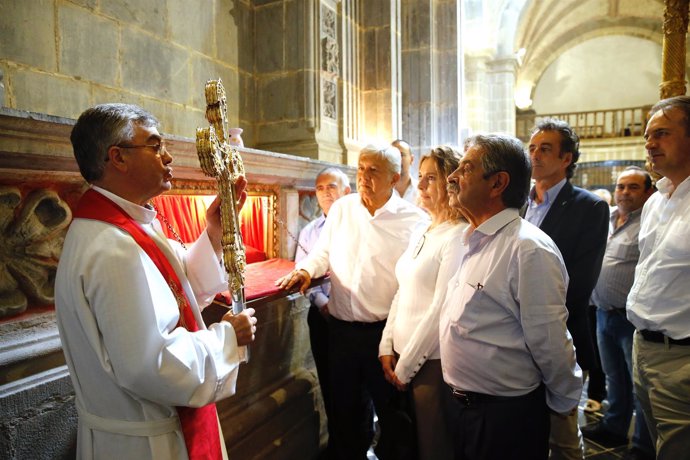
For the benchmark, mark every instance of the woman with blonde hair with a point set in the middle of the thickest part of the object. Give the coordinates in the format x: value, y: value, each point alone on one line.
x: 409, y: 348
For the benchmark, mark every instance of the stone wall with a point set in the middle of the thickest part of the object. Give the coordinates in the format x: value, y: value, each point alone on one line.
x: 283, y: 63
x: 59, y: 57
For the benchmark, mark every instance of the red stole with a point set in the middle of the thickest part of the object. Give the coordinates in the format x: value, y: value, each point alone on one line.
x: 199, y: 425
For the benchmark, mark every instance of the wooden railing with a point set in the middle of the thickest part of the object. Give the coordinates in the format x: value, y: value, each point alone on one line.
x: 592, y: 124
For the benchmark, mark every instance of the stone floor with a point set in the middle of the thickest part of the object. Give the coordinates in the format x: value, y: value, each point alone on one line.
x: 594, y: 451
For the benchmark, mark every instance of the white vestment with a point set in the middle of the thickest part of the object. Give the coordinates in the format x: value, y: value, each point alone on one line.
x: 130, y: 365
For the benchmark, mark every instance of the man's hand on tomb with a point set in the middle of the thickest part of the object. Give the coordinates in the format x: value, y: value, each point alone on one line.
x: 301, y: 278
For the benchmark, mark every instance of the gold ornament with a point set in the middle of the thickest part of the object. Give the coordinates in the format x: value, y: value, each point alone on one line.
x: 222, y: 161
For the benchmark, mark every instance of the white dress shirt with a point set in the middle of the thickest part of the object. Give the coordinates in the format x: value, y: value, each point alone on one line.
x: 660, y: 297
x: 411, y: 194
x: 360, y: 251
x: 422, y: 272
x: 502, y: 328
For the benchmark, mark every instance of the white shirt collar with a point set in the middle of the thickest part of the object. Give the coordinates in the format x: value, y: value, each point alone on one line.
x: 136, y: 212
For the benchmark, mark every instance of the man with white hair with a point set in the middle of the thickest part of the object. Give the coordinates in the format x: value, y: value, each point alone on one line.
x: 331, y: 184
x: 364, y: 235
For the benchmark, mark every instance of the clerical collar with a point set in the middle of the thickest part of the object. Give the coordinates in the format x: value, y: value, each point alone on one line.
x: 136, y: 212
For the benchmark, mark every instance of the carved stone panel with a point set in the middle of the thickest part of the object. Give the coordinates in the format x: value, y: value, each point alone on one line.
x: 32, y: 229
x: 330, y: 63
x: 330, y: 99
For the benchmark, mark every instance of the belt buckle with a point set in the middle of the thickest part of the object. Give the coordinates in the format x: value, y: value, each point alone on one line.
x: 463, y: 397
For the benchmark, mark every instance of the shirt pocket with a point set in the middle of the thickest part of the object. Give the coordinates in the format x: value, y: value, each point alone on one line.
x: 469, y: 306
x: 676, y: 242
x: 622, y: 250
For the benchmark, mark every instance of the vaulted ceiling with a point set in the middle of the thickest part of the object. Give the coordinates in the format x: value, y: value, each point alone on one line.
x: 545, y: 29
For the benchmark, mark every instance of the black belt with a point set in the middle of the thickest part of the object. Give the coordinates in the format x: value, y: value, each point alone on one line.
x: 658, y: 337
x: 469, y: 398
x: 358, y: 324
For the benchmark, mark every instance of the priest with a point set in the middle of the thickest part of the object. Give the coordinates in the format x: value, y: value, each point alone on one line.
x: 145, y: 369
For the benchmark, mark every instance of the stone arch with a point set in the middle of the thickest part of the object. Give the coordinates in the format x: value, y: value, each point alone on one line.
x: 536, y: 62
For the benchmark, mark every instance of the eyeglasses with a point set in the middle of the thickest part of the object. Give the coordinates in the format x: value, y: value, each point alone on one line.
x: 158, y: 148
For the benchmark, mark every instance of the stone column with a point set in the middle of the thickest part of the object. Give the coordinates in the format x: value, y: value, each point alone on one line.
x: 297, y: 70
x: 502, y: 95
x: 350, y: 81
x: 476, y: 92
x: 379, y: 57
x: 673, y: 57
x: 430, y: 67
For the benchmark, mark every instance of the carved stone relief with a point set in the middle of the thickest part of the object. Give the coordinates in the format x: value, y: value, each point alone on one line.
x: 330, y: 60
x: 330, y: 95
x: 308, y: 208
x: 329, y: 42
x: 330, y: 63
x: 32, y: 231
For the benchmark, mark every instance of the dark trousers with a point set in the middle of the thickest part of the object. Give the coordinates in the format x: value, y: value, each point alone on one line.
x: 483, y: 427
x: 318, y: 338
x: 596, y: 388
x: 356, y: 381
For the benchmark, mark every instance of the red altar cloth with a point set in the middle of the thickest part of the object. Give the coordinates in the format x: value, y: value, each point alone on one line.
x: 259, y: 287
x: 260, y: 278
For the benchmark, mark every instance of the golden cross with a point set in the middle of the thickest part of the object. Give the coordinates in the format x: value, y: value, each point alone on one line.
x: 220, y: 160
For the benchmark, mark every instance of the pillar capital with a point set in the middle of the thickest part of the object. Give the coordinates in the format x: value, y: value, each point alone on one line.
x: 673, y: 56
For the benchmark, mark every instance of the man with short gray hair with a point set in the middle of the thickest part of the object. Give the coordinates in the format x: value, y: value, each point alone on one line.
x: 364, y: 235
x: 506, y: 354
x: 146, y: 371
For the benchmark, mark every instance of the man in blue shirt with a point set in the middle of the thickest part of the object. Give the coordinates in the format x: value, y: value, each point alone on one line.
x: 331, y: 184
